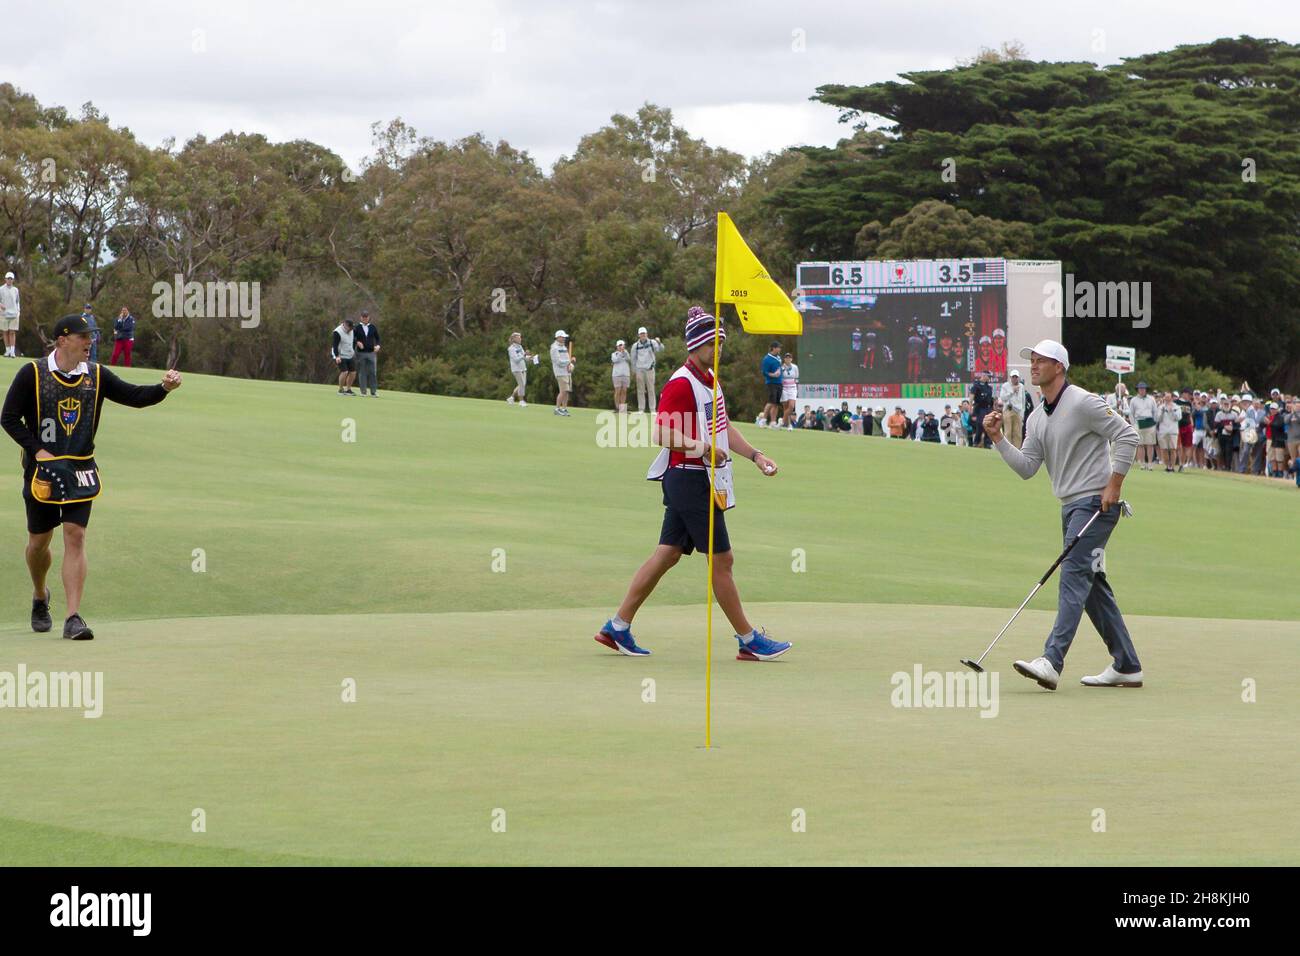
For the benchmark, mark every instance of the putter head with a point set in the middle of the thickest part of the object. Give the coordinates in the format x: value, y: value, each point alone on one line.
x: 972, y: 665
x: 1125, y: 508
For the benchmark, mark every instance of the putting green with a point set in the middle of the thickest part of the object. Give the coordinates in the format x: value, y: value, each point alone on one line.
x: 258, y: 543
x: 456, y: 717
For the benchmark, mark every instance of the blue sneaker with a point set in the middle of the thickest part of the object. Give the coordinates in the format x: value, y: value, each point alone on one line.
x: 621, y: 641
x: 761, y: 647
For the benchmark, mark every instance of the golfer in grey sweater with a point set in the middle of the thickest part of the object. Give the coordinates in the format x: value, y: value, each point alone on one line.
x: 1088, y: 449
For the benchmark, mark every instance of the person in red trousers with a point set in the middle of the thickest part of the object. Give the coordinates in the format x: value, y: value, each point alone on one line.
x: 123, y: 336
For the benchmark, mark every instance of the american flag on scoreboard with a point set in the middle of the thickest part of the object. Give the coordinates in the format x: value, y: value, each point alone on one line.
x: 990, y: 270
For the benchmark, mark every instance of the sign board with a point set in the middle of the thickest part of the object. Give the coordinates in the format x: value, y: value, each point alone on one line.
x: 1120, y: 359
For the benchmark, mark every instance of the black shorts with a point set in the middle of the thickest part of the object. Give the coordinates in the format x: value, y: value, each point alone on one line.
x: 686, y: 513
x: 347, y: 365
x: 774, y: 393
x: 42, y: 517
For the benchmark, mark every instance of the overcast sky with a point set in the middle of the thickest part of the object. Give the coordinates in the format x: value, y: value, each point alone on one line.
x: 542, y: 73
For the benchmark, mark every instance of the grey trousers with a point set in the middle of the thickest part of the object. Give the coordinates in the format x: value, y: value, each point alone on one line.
x: 366, y: 372
x: 1084, y: 588
x: 645, y: 389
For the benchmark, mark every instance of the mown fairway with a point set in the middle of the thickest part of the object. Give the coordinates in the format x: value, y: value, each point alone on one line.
x: 479, y: 689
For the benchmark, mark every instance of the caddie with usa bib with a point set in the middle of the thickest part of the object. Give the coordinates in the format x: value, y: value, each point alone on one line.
x: 65, y: 412
x: 693, y: 429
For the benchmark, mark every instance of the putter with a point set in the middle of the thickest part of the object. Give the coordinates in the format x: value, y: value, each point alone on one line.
x: 976, y: 665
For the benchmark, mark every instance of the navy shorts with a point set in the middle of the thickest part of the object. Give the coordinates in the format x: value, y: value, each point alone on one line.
x: 686, y: 513
x: 774, y: 393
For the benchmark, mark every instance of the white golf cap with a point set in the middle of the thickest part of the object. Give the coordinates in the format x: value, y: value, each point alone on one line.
x: 9, y: 275
x: 640, y: 330
x: 620, y: 342
x: 1015, y: 372
x: 1048, y: 349
x: 561, y: 334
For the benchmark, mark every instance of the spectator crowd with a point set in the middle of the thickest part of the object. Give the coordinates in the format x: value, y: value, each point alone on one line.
x: 1240, y: 433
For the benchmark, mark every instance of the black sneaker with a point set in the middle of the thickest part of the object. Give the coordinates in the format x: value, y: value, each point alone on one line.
x: 41, y: 614
x: 75, y: 629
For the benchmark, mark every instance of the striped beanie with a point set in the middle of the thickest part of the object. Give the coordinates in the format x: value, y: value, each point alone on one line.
x: 699, y: 328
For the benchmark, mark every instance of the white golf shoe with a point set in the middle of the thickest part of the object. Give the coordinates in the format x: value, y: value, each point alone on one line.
x: 1112, y: 678
x: 1040, y: 669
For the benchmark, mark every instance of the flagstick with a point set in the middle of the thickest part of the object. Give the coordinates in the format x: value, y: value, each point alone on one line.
x: 713, y: 467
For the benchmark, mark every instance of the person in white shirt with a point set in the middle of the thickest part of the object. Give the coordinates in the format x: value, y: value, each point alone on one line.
x: 1142, y: 416
x: 789, y: 388
x: 1016, y: 405
x: 1118, y: 400
x: 950, y: 427
x: 1167, y: 416
x: 644, y: 350
x: 519, y: 357
x: 562, y: 368
x: 621, y: 360
x: 10, y: 312
x: 343, y: 352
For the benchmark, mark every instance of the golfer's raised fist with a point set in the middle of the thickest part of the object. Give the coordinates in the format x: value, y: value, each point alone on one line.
x: 171, y: 380
x: 993, y: 426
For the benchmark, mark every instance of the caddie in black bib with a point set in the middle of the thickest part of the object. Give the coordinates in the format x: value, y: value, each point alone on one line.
x: 51, y: 411
x: 65, y: 413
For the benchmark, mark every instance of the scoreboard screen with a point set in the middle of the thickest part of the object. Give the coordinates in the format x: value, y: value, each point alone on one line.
x: 901, y: 329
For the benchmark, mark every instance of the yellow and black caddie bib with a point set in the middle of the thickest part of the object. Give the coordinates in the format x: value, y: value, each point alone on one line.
x: 65, y: 420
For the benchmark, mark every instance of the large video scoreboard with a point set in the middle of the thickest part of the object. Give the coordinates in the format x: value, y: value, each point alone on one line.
x: 916, y: 329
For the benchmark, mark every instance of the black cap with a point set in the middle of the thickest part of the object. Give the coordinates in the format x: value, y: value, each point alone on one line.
x: 74, y: 325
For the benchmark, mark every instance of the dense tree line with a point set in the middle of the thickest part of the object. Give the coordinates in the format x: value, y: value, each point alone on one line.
x: 451, y: 245
x: 1129, y: 173
x: 1179, y: 168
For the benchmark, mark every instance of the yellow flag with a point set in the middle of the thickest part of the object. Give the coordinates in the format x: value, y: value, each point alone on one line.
x: 763, y: 306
